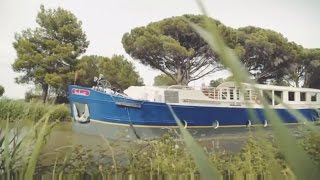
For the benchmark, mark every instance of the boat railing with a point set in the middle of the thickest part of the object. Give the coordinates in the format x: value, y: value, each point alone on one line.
x: 211, y: 92
x: 229, y: 94
x: 180, y: 87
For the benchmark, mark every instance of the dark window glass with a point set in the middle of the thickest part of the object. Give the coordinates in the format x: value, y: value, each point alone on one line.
x: 314, y: 97
x: 291, y: 96
x: 302, y: 96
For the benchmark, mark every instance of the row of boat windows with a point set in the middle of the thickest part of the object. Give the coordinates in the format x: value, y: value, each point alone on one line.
x: 271, y: 96
x: 303, y: 97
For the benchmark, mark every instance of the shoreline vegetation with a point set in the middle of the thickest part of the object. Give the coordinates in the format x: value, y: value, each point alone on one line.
x: 30, y: 152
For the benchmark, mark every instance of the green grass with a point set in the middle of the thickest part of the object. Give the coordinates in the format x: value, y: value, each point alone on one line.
x: 32, y: 111
x: 19, y: 151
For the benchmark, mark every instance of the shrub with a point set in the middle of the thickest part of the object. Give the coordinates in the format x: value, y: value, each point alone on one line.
x: 34, y: 110
x: 60, y: 113
x: 1, y: 90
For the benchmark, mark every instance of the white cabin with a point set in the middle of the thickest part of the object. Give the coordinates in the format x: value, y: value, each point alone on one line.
x: 227, y: 93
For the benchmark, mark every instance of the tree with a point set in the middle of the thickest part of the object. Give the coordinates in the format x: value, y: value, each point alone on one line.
x: 173, y: 47
x: 120, y: 72
x: 163, y: 80
x: 304, y: 69
x: 117, y: 70
x: 265, y: 53
x: 87, y: 69
x: 217, y: 82
x: 312, y: 66
x: 1, y: 90
x: 294, y: 74
x: 47, y: 55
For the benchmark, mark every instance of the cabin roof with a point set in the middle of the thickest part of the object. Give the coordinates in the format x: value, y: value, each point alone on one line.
x: 269, y: 87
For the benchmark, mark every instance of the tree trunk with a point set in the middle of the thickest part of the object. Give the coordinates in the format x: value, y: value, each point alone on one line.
x: 297, y: 82
x: 181, y: 80
x: 45, y: 88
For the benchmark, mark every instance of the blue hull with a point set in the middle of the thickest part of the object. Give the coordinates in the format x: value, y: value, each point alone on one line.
x: 119, y: 110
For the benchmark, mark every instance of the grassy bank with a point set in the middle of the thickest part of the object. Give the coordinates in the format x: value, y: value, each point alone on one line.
x: 21, y: 151
x: 259, y: 158
x: 14, y: 110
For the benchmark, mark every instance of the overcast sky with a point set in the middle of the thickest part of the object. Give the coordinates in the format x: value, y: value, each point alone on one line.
x: 105, y: 21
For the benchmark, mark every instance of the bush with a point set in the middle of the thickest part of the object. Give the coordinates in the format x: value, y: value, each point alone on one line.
x: 1, y: 90
x: 34, y: 110
x: 311, y: 144
x: 60, y: 113
x: 29, y: 96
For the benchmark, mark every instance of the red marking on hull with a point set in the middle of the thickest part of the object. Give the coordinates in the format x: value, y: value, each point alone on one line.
x: 80, y: 92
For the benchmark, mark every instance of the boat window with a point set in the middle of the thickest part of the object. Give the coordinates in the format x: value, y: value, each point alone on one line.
x: 224, y: 94
x: 268, y: 96
x: 302, y: 96
x: 238, y: 94
x: 231, y: 93
x: 277, y: 97
x: 247, y: 95
x: 291, y: 96
x: 314, y: 97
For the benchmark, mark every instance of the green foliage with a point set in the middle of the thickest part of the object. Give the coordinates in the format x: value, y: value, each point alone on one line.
x: 87, y: 69
x: 47, y: 55
x: 20, y: 147
x: 265, y: 53
x: 205, y: 167
x: 117, y: 70
x: 163, y: 156
x: 60, y: 113
x: 174, y: 48
x: 1, y: 90
x: 38, y: 145
x: 79, y: 160
x: 217, y: 82
x: 311, y: 143
x: 17, y: 110
x: 163, y: 80
x: 258, y: 157
x: 311, y: 67
x: 120, y: 72
x: 30, y: 95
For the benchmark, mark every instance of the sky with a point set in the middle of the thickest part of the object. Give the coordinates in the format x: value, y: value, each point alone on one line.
x: 105, y: 22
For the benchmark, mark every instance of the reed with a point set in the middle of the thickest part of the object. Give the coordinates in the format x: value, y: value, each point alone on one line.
x: 32, y: 111
x: 21, y: 145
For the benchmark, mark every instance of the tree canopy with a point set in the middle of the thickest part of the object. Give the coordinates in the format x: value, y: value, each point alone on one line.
x: 312, y: 68
x: 173, y: 47
x: 117, y: 70
x: 163, y: 80
x: 217, y: 82
x: 1, y: 90
x: 266, y: 53
x: 47, y: 55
